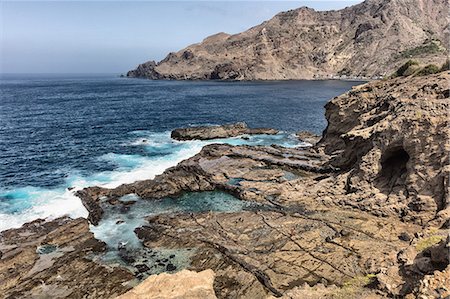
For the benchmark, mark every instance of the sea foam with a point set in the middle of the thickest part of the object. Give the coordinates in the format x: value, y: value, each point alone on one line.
x: 21, y: 205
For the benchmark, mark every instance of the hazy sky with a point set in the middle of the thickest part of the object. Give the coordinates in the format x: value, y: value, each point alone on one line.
x: 115, y: 36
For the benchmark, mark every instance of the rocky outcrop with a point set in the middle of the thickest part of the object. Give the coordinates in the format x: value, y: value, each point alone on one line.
x: 271, y: 249
x: 305, y: 44
x: 308, y: 137
x: 53, y: 260
x: 421, y: 269
x: 217, y: 167
x: 183, y: 285
x: 392, y: 140
x: 222, y: 131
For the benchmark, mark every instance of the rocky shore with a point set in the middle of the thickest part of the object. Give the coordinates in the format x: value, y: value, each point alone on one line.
x: 364, y: 213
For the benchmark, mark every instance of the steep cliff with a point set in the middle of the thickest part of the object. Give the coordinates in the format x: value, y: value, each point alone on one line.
x: 365, y: 40
x: 393, y: 138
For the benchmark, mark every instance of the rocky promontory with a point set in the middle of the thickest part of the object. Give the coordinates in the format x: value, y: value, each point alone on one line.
x: 361, y: 214
x: 368, y: 40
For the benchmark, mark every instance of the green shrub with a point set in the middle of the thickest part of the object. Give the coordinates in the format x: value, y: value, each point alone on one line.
x: 428, y: 242
x: 428, y: 70
x: 428, y: 47
x: 411, y: 70
x: 405, y: 67
x: 446, y: 66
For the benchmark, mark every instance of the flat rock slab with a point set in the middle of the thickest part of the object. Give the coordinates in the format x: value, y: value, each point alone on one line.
x: 249, y: 172
x: 267, y: 252
x: 222, y: 131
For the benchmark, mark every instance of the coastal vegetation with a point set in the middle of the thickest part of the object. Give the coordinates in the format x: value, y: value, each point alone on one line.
x: 407, y: 69
x: 428, y: 70
x: 412, y: 67
x: 428, y: 47
x: 445, y: 66
x: 428, y: 242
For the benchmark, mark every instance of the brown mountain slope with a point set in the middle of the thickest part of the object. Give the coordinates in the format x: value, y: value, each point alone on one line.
x: 369, y: 39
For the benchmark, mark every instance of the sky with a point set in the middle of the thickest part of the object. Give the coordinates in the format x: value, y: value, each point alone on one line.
x: 115, y: 36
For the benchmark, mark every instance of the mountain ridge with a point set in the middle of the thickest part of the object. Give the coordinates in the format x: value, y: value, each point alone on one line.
x: 370, y: 39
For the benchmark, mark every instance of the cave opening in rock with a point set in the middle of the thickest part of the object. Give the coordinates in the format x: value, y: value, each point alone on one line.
x: 393, y: 167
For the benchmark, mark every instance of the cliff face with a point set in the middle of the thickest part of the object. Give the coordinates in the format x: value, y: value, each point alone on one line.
x: 393, y: 137
x: 369, y: 39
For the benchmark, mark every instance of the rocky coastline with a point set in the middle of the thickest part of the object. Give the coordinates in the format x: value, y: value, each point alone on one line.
x: 363, y: 213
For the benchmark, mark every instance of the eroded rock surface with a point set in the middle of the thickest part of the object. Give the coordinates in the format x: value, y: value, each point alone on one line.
x: 53, y: 260
x: 270, y: 250
x: 392, y: 138
x: 251, y: 173
x: 223, y: 131
x: 308, y: 137
x: 182, y: 285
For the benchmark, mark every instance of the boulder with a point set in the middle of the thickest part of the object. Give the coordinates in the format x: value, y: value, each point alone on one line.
x: 181, y: 285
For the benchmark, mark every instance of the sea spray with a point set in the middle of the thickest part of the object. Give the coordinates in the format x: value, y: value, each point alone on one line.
x: 159, y: 152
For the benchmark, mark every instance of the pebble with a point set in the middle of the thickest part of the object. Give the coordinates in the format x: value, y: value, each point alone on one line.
x: 344, y: 233
x: 170, y: 267
x: 142, y: 268
x: 404, y: 237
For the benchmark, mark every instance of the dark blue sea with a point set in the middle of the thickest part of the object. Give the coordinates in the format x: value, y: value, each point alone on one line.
x: 60, y: 131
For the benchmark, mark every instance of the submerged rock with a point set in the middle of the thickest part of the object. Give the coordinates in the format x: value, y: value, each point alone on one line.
x: 214, y: 132
x: 46, y: 249
x: 170, y: 267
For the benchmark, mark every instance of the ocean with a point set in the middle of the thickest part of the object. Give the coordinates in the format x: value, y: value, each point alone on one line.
x: 61, y: 132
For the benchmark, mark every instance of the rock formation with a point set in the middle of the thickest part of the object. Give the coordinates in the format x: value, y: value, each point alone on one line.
x: 223, y: 131
x: 182, y: 285
x: 370, y: 39
x: 53, y: 260
x: 393, y: 138
x: 362, y: 214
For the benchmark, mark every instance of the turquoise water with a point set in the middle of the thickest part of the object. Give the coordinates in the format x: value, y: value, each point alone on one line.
x: 23, y: 204
x: 117, y: 226
x: 117, y: 229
